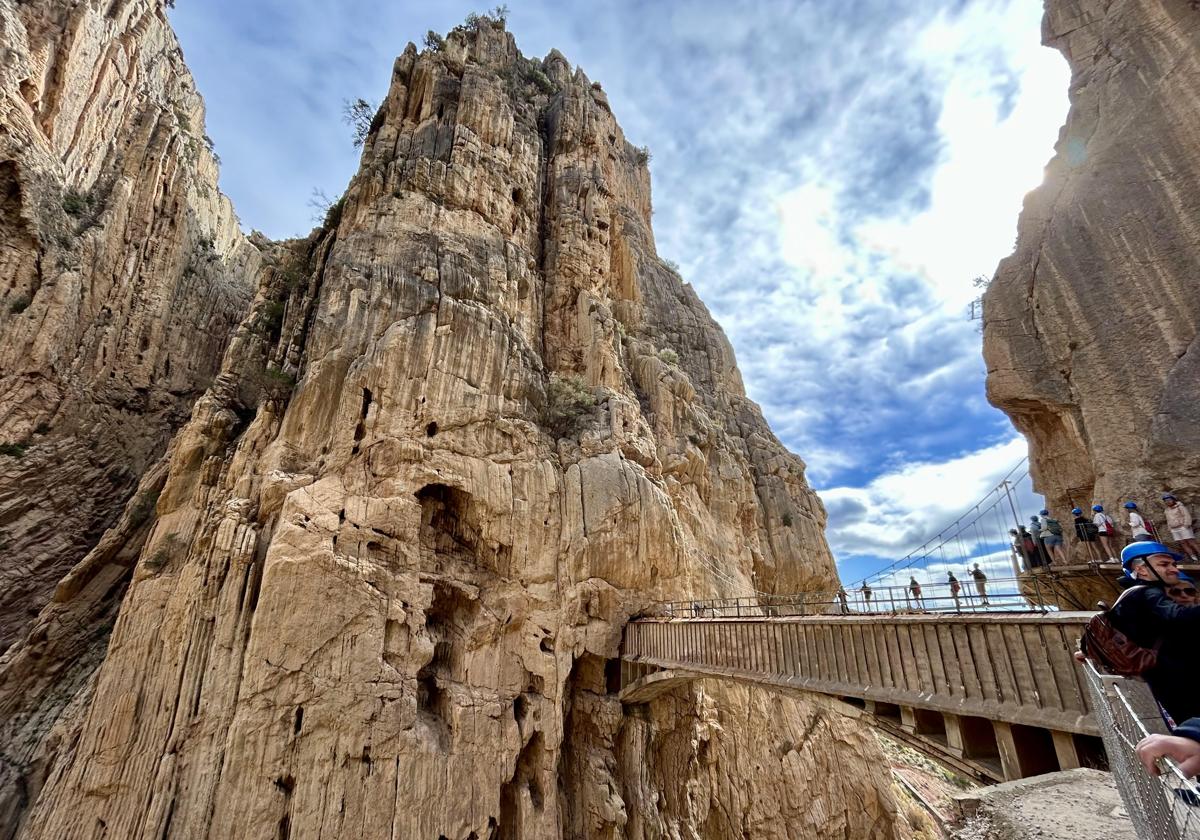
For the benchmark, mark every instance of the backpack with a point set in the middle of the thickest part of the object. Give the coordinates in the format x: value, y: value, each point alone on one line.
x: 1054, y: 527
x: 1109, y: 647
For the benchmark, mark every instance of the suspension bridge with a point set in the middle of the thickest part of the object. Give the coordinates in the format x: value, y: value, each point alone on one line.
x: 977, y: 671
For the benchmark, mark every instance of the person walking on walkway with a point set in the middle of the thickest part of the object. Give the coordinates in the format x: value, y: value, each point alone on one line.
x: 866, y: 593
x: 1139, y: 528
x: 1035, y: 529
x: 1148, y: 617
x: 1085, y: 532
x: 1179, y: 520
x: 955, y: 588
x: 1106, y: 530
x: 841, y: 596
x: 980, y: 583
x: 1018, y: 547
x: 1031, y: 548
x: 1052, y: 537
x: 915, y: 589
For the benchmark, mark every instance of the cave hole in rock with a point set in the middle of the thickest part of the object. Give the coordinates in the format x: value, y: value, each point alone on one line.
x: 431, y: 430
x: 448, y: 621
x: 518, y: 196
x: 360, y: 431
x: 452, y: 532
x: 513, y: 823
x: 298, y: 722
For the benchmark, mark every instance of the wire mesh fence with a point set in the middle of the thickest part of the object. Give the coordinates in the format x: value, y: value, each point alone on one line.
x: 1163, y: 807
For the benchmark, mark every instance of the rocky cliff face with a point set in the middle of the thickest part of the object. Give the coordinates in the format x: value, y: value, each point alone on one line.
x: 123, y: 276
x: 1090, y: 327
x: 467, y: 429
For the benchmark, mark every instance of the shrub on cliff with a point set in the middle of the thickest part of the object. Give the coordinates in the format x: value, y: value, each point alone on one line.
x: 568, y: 401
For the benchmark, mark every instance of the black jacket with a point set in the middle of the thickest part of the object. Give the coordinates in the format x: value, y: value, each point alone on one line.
x: 1149, y: 617
x: 1188, y: 729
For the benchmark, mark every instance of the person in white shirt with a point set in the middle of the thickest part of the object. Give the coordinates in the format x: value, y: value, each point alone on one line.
x: 1179, y: 520
x: 1106, y: 530
x: 1139, y: 529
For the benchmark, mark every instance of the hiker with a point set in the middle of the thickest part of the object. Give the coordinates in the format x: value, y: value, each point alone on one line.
x: 1182, y: 746
x: 1184, y: 593
x: 1148, y: 617
x: 1018, y: 547
x: 1052, y: 537
x: 955, y: 588
x: 980, y: 583
x: 915, y: 589
x: 1035, y: 529
x: 841, y: 596
x: 1179, y: 520
x: 1086, y: 533
x: 866, y: 593
x: 1106, y: 530
x: 1139, y: 527
x: 1031, y: 548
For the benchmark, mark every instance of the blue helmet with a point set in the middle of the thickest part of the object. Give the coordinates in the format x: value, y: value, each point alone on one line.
x: 1131, y: 506
x: 1142, y: 550
x: 1045, y: 513
x: 1170, y: 496
x: 1076, y: 511
x: 1098, y: 508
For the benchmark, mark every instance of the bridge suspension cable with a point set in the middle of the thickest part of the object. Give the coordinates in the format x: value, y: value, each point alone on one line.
x: 950, y: 539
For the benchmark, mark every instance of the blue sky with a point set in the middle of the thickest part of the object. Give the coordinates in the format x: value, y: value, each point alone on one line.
x: 830, y: 175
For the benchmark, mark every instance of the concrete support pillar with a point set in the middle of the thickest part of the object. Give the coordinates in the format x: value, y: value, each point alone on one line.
x: 908, y: 719
x: 1010, y: 760
x: 1064, y: 748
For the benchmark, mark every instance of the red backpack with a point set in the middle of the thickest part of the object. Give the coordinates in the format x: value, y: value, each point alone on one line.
x: 1113, y: 650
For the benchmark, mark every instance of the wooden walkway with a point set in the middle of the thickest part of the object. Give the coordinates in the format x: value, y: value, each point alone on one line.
x: 998, y: 695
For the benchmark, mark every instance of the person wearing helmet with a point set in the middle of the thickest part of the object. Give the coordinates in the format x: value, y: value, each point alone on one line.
x: 1051, y: 532
x: 1035, y: 528
x: 980, y: 583
x: 1085, y: 532
x: 1179, y: 520
x: 1146, y: 614
x: 1106, y: 530
x: 1139, y: 527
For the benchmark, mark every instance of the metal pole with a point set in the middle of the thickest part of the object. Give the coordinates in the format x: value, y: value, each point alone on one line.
x: 1008, y: 495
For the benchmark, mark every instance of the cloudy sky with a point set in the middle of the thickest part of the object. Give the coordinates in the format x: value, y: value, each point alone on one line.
x: 829, y: 174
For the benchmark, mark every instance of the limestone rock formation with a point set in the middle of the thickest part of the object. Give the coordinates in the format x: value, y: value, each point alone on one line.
x: 124, y: 274
x: 468, y: 428
x: 1090, y: 327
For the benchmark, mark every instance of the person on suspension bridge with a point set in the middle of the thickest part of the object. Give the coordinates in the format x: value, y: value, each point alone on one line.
x: 866, y: 593
x: 1018, y: 547
x: 1148, y: 617
x: 1179, y: 520
x: 1140, y: 528
x: 915, y: 589
x: 955, y: 588
x: 1052, y: 537
x: 980, y: 584
x: 1106, y: 530
x: 1035, y: 528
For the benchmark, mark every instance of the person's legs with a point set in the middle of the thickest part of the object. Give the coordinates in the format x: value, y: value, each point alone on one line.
x: 1188, y: 545
x: 1109, y: 544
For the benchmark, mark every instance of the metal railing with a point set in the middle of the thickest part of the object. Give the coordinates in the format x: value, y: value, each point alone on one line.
x: 1164, y: 807
x: 1034, y: 592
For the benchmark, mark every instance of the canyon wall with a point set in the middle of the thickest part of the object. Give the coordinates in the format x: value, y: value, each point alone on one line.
x: 1090, y: 327
x: 122, y: 276
x: 467, y: 428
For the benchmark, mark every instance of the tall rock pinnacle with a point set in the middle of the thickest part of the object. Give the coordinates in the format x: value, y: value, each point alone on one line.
x: 465, y: 431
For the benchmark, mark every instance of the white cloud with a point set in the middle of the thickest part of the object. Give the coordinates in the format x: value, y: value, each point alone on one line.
x: 898, y: 511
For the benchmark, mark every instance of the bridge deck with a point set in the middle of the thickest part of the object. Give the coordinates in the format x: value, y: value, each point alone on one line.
x: 1008, y: 669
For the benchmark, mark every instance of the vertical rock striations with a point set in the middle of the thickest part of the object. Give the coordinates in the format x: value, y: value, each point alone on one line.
x: 1090, y: 327
x: 122, y: 275
x: 469, y: 427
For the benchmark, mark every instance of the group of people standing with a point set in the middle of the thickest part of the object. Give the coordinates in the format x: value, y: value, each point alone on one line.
x: 1042, y: 542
